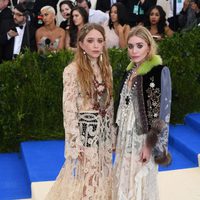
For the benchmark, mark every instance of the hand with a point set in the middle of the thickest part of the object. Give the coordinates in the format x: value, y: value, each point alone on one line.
x: 145, y: 154
x: 12, y: 33
x: 120, y: 29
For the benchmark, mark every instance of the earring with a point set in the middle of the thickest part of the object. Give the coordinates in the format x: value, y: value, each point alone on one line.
x: 101, y: 57
x: 85, y: 55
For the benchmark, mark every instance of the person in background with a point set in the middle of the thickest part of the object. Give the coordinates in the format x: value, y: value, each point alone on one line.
x: 88, y: 121
x: 49, y: 37
x: 190, y: 14
x: 6, y: 21
x: 173, y: 14
x: 137, y: 10
x: 156, y: 23
x: 78, y: 18
x: 65, y: 10
x: 20, y: 34
x: 143, y: 120
x: 95, y: 16
x: 104, y: 5
x: 116, y: 28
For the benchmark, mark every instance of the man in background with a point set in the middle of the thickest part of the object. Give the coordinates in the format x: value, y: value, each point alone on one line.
x: 20, y: 35
x: 95, y: 16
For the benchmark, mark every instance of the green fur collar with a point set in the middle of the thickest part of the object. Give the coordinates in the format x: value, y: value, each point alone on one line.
x: 147, y: 65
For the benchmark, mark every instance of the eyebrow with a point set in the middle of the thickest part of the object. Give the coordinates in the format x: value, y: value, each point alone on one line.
x: 136, y: 43
x: 94, y: 38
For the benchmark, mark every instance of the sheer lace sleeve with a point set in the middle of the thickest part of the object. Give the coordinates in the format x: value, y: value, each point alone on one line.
x: 165, y: 110
x: 70, y: 112
x: 111, y: 115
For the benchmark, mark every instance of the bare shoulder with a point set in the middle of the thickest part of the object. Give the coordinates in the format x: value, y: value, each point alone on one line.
x: 40, y: 30
x: 60, y: 30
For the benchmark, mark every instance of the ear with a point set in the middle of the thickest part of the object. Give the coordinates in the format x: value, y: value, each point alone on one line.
x: 81, y: 45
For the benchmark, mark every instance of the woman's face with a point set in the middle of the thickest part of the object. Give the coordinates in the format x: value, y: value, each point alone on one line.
x: 154, y: 16
x: 138, y: 49
x: 65, y: 11
x: 113, y: 14
x: 77, y: 18
x: 47, y: 17
x: 93, y: 44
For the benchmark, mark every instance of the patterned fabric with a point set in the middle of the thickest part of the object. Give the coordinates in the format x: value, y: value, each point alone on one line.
x: 132, y: 179
x: 46, y: 44
x: 86, y: 174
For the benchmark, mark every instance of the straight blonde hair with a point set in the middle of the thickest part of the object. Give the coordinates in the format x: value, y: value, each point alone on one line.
x: 143, y: 33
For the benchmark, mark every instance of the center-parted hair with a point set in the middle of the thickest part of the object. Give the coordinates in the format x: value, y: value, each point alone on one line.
x: 85, y: 72
x: 162, y: 21
x: 73, y: 29
x: 121, y: 14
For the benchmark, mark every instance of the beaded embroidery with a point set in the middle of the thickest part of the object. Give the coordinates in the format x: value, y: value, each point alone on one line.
x: 153, y: 102
x: 100, y: 95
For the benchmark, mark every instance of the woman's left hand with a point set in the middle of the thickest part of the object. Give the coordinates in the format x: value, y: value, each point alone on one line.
x: 145, y: 154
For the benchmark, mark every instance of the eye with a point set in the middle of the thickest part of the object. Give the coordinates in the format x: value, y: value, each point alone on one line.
x: 139, y: 46
x: 130, y: 46
x: 100, y: 41
x: 89, y: 40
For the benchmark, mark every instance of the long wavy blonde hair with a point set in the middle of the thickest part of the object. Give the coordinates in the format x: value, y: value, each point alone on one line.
x: 85, y: 72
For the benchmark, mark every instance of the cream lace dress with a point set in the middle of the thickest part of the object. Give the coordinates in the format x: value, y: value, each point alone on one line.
x: 89, y: 132
x: 132, y: 179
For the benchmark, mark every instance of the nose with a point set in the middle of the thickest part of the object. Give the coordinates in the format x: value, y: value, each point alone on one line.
x: 134, y: 50
x: 95, y: 44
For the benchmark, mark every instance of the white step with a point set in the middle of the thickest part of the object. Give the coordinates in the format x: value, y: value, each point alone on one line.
x: 40, y: 189
x: 181, y: 184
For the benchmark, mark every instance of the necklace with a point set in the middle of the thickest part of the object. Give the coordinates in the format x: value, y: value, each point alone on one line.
x: 132, y: 77
x: 100, y: 95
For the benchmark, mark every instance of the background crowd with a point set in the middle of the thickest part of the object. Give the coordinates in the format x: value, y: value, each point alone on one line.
x: 53, y: 25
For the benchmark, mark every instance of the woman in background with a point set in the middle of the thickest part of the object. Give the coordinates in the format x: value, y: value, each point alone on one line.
x: 65, y: 10
x: 156, y: 23
x: 142, y: 119
x: 116, y: 28
x: 49, y: 37
x: 78, y: 18
x: 88, y: 121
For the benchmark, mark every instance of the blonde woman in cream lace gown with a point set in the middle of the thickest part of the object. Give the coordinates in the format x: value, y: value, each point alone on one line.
x: 142, y: 119
x: 88, y: 120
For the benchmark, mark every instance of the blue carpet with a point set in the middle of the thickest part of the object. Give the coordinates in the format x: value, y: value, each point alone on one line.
x: 14, y: 183
x: 43, y: 159
x: 179, y: 161
x: 186, y: 140
x: 193, y: 120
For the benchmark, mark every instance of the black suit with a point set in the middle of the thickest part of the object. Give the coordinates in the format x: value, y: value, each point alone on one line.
x: 40, y: 3
x: 135, y: 19
x: 8, y: 45
x: 103, y: 5
x: 6, y: 22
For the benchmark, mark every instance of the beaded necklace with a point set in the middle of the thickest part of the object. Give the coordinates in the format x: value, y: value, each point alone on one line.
x: 100, y: 95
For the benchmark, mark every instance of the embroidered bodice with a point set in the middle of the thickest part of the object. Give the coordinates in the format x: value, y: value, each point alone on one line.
x: 46, y: 43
